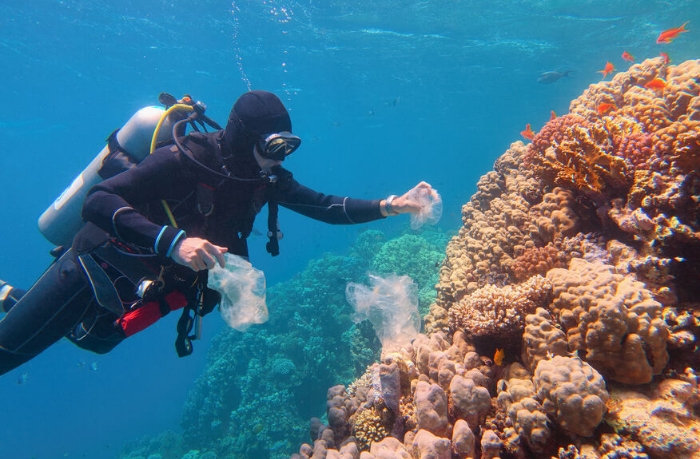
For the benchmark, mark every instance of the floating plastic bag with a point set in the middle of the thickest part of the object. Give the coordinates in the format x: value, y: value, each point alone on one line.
x: 242, y: 289
x: 391, y: 304
x: 431, y: 207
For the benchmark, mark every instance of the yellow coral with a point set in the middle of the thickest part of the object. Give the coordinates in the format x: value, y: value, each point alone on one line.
x: 367, y: 427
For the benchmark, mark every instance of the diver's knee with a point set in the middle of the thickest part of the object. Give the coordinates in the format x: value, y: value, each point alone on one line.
x: 69, y: 269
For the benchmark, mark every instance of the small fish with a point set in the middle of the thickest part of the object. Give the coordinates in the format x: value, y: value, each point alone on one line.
x: 667, y: 60
x: 527, y: 133
x: 23, y: 378
x: 393, y: 103
x: 628, y: 57
x: 551, y: 77
x: 258, y: 428
x: 656, y: 83
x: 604, y: 108
x: 552, y: 116
x: 667, y: 36
x: 498, y: 357
x: 93, y: 366
x: 609, y: 68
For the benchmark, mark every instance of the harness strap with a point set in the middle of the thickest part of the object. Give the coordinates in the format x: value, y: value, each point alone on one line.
x: 186, y: 322
x: 183, y: 342
x: 273, y: 232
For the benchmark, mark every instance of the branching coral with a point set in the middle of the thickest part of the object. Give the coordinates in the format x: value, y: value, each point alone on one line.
x: 497, y: 311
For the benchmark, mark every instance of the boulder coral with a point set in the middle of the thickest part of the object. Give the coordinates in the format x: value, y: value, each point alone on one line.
x: 612, y: 318
x: 572, y: 393
x: 518, y: 398
x: 542, y: 339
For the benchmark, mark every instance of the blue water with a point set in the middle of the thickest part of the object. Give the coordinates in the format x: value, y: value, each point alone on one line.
x: 384, y: 94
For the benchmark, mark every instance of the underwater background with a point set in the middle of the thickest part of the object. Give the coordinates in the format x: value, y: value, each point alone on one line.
x: 384, y: 95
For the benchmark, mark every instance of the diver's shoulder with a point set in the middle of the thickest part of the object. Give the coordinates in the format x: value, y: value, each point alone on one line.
x: 204, y: 148
x: 210, y: 139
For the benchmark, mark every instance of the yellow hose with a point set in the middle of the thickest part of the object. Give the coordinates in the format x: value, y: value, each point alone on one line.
x: 176, y: 107
x: 154, y: 141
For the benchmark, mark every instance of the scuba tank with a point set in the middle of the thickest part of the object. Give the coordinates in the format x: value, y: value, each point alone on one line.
x: 61, y: 221
x: 126, y: 147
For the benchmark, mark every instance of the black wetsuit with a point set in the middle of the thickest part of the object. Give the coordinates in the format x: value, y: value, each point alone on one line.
x: 129, y: 235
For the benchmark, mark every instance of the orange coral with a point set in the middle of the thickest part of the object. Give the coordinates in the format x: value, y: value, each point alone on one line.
x: 538, y: 260
x: 583, y: 160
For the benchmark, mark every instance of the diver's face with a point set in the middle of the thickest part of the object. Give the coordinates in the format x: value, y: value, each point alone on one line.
x: 265, y: 164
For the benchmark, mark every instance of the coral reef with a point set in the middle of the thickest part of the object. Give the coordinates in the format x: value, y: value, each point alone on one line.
x: 576, y: 260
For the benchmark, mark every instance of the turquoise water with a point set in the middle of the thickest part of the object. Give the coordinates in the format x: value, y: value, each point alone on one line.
x: 383, y: 95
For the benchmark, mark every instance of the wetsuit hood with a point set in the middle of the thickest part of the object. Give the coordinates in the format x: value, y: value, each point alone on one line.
x: 255, y: 113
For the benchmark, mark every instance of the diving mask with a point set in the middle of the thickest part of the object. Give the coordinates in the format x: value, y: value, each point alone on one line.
x: 278, y: 146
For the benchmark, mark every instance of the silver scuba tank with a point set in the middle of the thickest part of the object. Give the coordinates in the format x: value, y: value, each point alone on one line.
x: 61, y: 221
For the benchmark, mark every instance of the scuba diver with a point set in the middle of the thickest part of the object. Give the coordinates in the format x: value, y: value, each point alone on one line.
x: 153, y: 229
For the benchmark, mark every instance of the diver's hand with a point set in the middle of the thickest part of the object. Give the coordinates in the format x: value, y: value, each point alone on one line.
x: 198, y: 254
x: 404, y: 204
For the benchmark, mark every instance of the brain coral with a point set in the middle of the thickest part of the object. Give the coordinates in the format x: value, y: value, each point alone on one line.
x: 613, y: 318
x: 499, y: 311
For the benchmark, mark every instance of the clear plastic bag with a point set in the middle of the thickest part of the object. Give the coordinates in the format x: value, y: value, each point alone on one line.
x: 431, y: 207
x: 391, y: 305
x: 242, y: 289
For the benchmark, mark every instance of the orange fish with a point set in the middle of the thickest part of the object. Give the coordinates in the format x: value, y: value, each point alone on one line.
x: 628, y: 57
x: 656, y: 83
x: 667, y: 60
x: 554, y: 115
x: 668, y: 35
x: 527, y: 133
x: 604, y: 108
x: 608, y: 69
x: 498, y: 357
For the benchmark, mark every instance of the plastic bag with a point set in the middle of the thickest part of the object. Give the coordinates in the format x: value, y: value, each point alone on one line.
x: 431, y: 207
x: 391, y: 305
x: 242, y: 289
